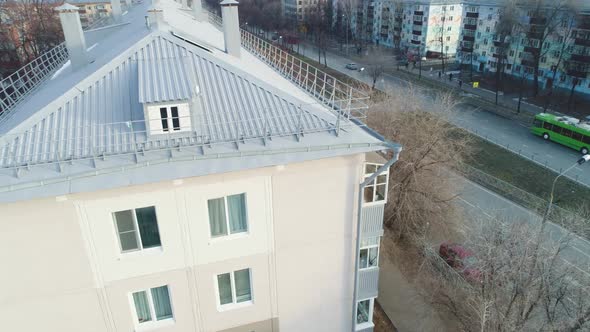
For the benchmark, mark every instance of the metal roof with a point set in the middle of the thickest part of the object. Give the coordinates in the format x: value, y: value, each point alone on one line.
x: 90, y: 122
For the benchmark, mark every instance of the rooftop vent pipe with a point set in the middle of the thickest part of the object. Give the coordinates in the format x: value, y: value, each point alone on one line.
x: 231, y: 27
x: 156, y: 17
x: 116, y: 10
x: 72, y: 28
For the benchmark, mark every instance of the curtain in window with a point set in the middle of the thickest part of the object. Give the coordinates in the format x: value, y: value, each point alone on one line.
x: 126, y: 229
x: 162, y: 305
x: 363, y: 258
x: 217, y: 217
x: 236, y: 205
x: 142, y: 307
x: 243, y: 291
x: 148, y: 227
x: 224, y: 285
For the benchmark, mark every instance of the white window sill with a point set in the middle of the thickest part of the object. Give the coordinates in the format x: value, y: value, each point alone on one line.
x: 230, y: 237
x: 374, y: 203
x: 366, y: 325
x: 155, y: 251
x: 149, y: 326
x: 232, y: 306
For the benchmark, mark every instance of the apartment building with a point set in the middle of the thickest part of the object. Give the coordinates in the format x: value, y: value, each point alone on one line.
x: 166, y: 174
x: 562, y: 56
x: 428, y: 28
x: 92, y: 10
x: 301, y: 10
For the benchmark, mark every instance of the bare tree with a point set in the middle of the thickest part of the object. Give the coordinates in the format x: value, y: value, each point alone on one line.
x: 506, y: 26
x: 421, y: 190
x: 565, y: 40
x: 379, y: 61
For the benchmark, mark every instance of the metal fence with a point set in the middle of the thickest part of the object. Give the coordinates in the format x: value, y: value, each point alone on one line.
x: 335, y: 94
x: 16, y: 87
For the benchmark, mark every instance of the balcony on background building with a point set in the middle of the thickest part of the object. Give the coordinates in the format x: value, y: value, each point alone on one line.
x: 583, y: 22
x: 527, y: 63
x: 418, y: 23
x: 498, y: 56
x: 472, y: 14
x: 531, y: 49
x: 397, y: 29
x: 498, y: 43
x: 384, y: 35
x: 468, y: 38
x: 470, y: 27
x: 535, y: 34
x: 418, y: 12
x: 578, y: 72
x: 538, y: 21
x: 416, y: 42
x: 580, y: 58
x: 417, y: 33
x: 582, y: 42
x: 467, y: 49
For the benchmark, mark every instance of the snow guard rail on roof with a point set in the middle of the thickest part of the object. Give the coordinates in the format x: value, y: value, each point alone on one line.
x: 324, y: 87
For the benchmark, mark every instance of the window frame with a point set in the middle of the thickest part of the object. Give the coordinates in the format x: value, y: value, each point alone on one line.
x: 138, y: 238
x: 368, y: 249
x: 229, y: 234
x: 374, y: 184
x: 154, y: 322
x: 232, y: 279
x: 369, y: 323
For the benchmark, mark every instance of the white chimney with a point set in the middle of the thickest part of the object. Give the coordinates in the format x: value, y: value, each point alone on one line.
x: 128, y: 3
x: 231, y: 27
x: 184, y: 4
x: 198, y: 10
x: 156, y: 17
x: 116, y: 10
x: 72, y: 28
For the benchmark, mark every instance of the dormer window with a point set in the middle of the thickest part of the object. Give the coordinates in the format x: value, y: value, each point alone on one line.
x: 168, y: 118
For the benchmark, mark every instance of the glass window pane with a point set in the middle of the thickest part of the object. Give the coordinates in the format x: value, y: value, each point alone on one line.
x: 124, y: 221
x: 175, y: 119
x: 148, y: 227
x: 373, y: 253
x: 162, y: 304
x: 362, y: 312
x: 243, y: 291
x: 128, y: 241
x: 380, y: 195
x: 368, y: 194
x: 370, y: 169
x: 224, y: 286
x: 363, y: 259
x: 142, y: 307
x: 236, y: 207
x: 164, y: 116
x: 217, y: 217
x: 382, y: 178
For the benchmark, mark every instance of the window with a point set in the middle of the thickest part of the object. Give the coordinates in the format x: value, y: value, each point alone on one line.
x: 483, y: 53
x: 485, y: 41
x: 364, y: 312
x: 543, y: 59
x: 547, y: 126
x: 509, y: 66
x: 234, y: 287
x: 228, y: 213
x: 452, y: 8
x: 168, y: 118
x: 487, y: 29
x: 489, y: 17
x: 537, y: 123
x: 152, y: 305
x: 369, y: 253
x: 376, y: 191
x: 448, y: 38
x: 449, y: 28
x: 479, y: 35
x: 556, y: 54
x: 137, y: 229
x: 560, y: 39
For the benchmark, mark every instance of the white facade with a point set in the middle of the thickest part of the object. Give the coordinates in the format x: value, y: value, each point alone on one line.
x: 65, y: 268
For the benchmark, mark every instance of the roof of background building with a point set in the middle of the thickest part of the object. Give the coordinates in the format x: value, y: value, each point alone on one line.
x: 84, y: 130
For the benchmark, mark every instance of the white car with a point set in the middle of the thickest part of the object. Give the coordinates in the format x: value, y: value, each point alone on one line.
x: 352, y: 66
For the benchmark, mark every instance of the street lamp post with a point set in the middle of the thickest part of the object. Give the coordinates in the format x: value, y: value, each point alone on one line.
x: 420, y: 61
x: 582, y: 160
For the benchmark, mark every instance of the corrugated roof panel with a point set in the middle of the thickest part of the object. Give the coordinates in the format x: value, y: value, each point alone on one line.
x: 106, y: 118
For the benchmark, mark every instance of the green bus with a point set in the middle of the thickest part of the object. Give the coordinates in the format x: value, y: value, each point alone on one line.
x: 564, y: 130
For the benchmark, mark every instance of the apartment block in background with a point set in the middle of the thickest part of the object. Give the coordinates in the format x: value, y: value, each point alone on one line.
x: 176, y: 173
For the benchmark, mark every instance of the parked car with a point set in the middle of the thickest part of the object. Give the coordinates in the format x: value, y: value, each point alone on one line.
x: 352, y: 66
x: 462, y: 260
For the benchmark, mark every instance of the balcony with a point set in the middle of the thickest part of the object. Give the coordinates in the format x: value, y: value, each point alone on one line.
x: 399, y: 19
x: 418, y: 23
x: 582, y: 42
x: 416, y: 42
x: 497, y: 43
x: 397, y: 29
x: 467, y: 49
x: 384, y: 35
x: 531, y: 49
x: 368, y: 283
x: 417, y: 33
x: 468, y: 38
x: 470, y: 27
x: 372, y: 220
x: 577, y: 72
x: 419, y: 12
x: 580, y: 58
x: 527, y: 63
x: 535, y: 34
x: 498, y: 56
x: 538, y: 21
x: 583, y: 22
x: 472, y: 14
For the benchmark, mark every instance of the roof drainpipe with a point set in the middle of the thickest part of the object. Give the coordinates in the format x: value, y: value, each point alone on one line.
x: 198, y: 10
x: 116, y: 10
x: 156, y: 17
x: 231, y: 27
x: 74, y: 36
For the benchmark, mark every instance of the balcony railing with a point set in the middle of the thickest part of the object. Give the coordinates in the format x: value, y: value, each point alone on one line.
x: 580, y: 58
x: 472, y: 14
x: 16, y: 87
x: 324, y: 87
x: 576, y: 72
x: 468, y: 38
x: 470, y: 26
x: 368, y: 283
x: 582, y: 42
x: 372, y: 220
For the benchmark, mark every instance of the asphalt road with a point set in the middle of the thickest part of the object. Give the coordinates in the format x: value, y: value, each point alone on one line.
x: 497, y: 129
x: 478, y: 202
